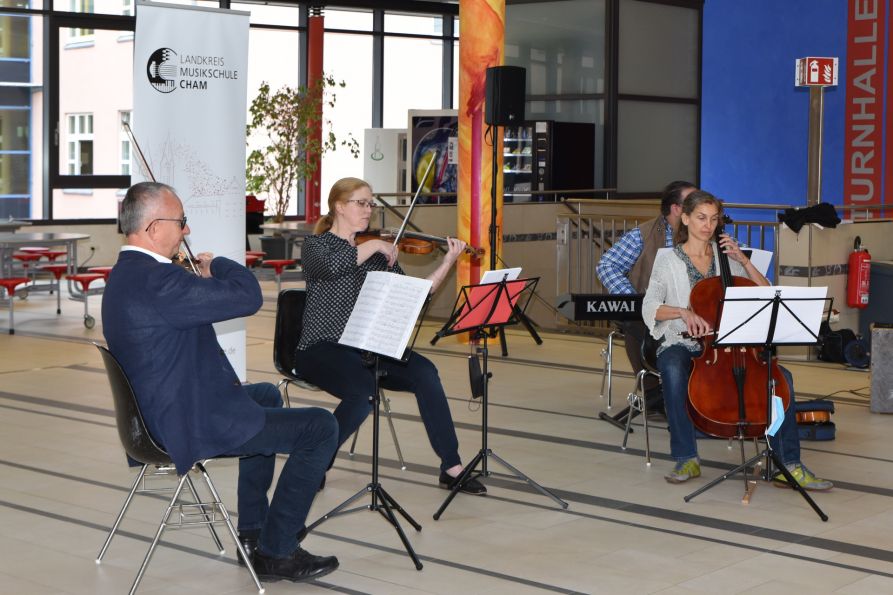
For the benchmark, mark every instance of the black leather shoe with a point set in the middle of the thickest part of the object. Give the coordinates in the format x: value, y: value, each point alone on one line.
x: 471, y: 485
x: 300, y: 566
x: 249, y: 544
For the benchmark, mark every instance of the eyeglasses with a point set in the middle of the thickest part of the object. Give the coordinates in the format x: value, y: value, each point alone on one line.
x: 362, y: 203
x: 182, y: 222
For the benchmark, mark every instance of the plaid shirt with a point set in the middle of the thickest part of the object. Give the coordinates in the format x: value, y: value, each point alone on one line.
x: 614, y: 267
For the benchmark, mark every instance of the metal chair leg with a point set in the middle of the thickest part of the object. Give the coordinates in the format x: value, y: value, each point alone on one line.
x: 229, y: 525
x: 607, y: 369
x: 164, y: 519
x: 220, y: 549
x: 638, y: 401
x: 285, y: 398
x: 114, y: 529
x: 387, y: 411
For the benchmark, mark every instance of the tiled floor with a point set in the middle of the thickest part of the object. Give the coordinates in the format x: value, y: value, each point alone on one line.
x: 63, y: 478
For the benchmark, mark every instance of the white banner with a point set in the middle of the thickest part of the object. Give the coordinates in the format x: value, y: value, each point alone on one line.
x: 189, y: 105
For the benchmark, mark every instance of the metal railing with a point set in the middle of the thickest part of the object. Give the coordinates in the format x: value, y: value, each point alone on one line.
x: 592, y: 227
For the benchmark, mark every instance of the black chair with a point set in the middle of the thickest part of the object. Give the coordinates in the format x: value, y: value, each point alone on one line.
x: 638, y: 400
x: 139, y: 446
x: 286, y: 336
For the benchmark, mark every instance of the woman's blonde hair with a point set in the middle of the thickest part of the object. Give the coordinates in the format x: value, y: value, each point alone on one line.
x: 692, y: 202
x: 340, y: 192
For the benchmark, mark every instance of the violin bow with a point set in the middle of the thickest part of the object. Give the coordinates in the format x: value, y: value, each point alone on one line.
x: 148, y: 171
x: 414, y: 200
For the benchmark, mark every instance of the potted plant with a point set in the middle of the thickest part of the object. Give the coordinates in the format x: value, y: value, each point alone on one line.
x: 285, y: 125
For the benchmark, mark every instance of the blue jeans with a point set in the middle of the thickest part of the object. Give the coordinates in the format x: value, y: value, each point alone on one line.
x: 340, y: 371
x: 307, y: 436
x: 674, y: 364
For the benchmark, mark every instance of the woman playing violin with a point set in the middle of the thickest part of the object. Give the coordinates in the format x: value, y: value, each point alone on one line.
x: 666, y: 312
x: 335, y: 267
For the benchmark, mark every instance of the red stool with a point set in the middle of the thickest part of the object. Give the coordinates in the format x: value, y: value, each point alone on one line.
x: 251, y: 260
x: 278, y: 265
x: 258, y: 253
x: 104, y: 271
x: 10, y: 284
x: 52, y: 255
x: 57, y: 270
x: 84, y: 280
x: 26, y: 258
x: 34, y: 249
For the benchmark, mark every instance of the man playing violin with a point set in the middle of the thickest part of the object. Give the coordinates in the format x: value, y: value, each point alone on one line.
x: 335, y: 268
x: 667, y: 314
x: 157, y: 319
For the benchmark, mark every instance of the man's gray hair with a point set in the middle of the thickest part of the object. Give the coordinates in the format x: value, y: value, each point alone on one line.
x: 138, y: 204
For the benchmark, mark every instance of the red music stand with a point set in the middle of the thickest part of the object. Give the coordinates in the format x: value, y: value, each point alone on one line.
x: 478, y: 309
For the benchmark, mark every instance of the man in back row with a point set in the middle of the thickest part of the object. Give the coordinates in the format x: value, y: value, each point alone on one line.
x: 626, y: 267
x: 157, y: 319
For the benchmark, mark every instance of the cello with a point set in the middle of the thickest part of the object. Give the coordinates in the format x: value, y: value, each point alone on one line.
x: 727, y: 387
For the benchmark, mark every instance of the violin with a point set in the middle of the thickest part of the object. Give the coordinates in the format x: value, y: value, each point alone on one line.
x: 410, y: 242
x: 813, y: 417
x: 727, y: 387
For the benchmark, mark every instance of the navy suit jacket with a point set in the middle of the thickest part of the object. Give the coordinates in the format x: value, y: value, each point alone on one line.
x: 156, y: 318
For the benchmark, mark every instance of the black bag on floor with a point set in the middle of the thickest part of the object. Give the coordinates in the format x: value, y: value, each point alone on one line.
x: 832, y: 344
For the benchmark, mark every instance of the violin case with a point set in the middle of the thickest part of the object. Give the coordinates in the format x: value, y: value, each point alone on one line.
x: 810, y: 430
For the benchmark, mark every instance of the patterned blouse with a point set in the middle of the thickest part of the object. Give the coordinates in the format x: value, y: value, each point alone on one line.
x: 694, y: 275
x: 334, y: 281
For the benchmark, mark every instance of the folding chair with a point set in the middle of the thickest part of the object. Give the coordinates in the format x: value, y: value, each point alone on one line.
x: 139, y: 446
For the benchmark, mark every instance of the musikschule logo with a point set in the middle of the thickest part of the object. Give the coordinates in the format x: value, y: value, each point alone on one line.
x: 162, y: 70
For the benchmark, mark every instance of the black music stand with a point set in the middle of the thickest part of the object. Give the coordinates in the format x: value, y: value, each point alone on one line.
x: 479, y: 308
x: 751, y: 326
x: 382, y: 502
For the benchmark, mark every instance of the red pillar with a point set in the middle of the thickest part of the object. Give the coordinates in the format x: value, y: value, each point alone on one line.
x: 315, y: 22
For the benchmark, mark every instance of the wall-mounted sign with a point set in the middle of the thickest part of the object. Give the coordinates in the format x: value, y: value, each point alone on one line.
x: 815, y: 72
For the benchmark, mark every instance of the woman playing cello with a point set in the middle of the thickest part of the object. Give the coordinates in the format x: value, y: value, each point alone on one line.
x: 666, y: 311
x: 335, y: 268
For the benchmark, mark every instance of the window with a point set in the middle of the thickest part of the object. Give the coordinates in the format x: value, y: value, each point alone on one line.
x: 78, y: 33
x: 124, y: 118
x: 347, y: 58
x: 80, y: 144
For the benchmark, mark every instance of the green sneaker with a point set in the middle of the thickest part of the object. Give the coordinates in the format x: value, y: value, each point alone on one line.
x: 804, y: 477
x: 683, y: 471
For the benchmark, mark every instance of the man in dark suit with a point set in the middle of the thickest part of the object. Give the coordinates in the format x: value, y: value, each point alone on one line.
x: 157, y: 321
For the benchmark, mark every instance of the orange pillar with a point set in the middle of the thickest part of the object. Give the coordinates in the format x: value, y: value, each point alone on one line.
x: 482, y: 23
x: 315, y: 30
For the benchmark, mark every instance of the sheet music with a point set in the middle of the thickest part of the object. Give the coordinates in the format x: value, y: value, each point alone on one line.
x: 385, y: 314
x: 806, y: 302
x: 500, y: 274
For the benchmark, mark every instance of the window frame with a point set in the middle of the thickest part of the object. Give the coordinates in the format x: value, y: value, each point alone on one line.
x: 53, y: 179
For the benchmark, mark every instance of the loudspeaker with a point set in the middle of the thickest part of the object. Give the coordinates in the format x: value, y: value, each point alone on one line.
x: 881, y: 368
x: 504, y: 95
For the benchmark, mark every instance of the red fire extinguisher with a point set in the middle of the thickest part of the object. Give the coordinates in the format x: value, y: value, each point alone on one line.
x: 858, y: 276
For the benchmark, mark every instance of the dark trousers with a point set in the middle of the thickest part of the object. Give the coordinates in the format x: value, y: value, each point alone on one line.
x: 675, y: 364
x: 308, y: 436
x: 340, y: 371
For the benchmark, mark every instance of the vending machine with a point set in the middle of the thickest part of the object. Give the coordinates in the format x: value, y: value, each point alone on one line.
x: 547, y: 155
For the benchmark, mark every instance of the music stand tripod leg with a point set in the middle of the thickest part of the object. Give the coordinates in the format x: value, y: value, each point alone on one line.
x: 794, y: 484
x: 380, y: 498
x: 485, y: 451
x: 518, y: 474
x: 460, y: 479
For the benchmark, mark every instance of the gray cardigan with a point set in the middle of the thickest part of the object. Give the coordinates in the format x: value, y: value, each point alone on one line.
x: 669, y: 286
